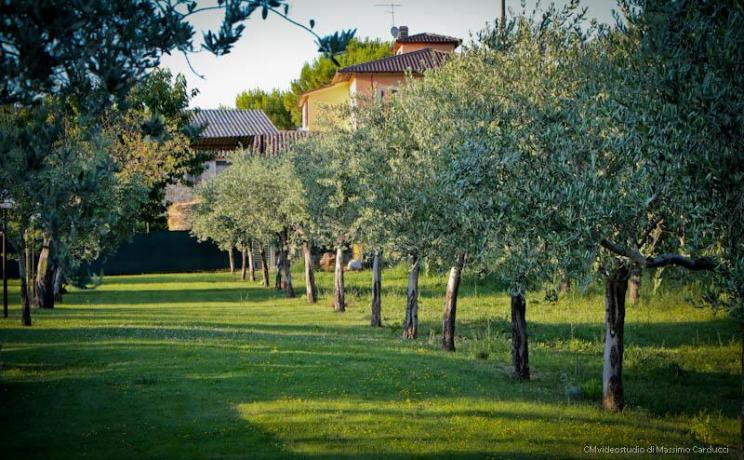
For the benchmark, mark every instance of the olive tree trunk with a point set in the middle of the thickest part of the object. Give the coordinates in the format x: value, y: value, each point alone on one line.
x: 450, y: 305
x: 339, y: 299
x: 520, y: 351
x: 251, y: 265
x: 616, y: 285
x: 25, y: 298
x: 29, y: 271
x: 410, y: 328
x: 287, y: 265
x: 244, y: 266
x: 59, y: 278
x: 44, y: 291
x: 376, y: 319
x: 264, y: 268
x: 279, y: 264
x: 741, y: 416
x: 231, y: 259
x: 634, y: 286
x: 311, y: 290
x: 565, y: 285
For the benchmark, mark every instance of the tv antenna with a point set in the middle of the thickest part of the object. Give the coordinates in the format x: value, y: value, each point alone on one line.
x: 392, y: 7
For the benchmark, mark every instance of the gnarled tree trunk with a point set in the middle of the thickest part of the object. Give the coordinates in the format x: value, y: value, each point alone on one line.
x: 741, y: 416
x: 376, y: 319
x: 25, y: 297
x: 520, y: 351
x: 450, y: 305
x: 251, y: 265
x: 264, y: 268
x: 311, y: 290
x: 634, y: 286
x: 244, y: 266
x: 44, y: 292
x: 410, y: 328
x: 231, y: 259
x: 616, y: 285
x: 339, y: 298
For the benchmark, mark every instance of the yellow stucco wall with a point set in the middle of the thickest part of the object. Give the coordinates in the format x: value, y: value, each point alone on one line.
x: 365, y: 83
x: 318, y: 100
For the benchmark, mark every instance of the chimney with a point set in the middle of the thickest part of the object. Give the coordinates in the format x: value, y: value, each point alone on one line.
x: 403, y: 32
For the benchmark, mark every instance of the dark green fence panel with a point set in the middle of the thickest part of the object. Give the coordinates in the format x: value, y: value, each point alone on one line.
x: 163, y: 252
x: 11, y: 263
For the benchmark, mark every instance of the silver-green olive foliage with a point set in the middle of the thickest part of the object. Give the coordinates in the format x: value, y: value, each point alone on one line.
x: 209, y: 219
x: 610, y: 152
x: 327, y: 165
x: 449, y: 158
x: 263, y: 196
x: 429, y: 200
x: 254, y: 199
x: 691, y: 58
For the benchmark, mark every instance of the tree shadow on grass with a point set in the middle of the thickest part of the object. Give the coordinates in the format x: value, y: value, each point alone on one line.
x: 221, y: 276
x: 188, y: 375
x: 233, y: 293
x: 653, y: 384
x: 660, y: 334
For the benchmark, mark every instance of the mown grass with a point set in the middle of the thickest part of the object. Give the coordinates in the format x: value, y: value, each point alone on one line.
x: 206, y: 366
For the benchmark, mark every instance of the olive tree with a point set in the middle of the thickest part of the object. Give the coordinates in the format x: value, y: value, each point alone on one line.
x: 690, y: 55
x: 262, y: 197
x: 520, y: 71
x: 392, y: 199
x: 610, y: 177
x: 210, y: 220
x: 432, y: 203
x: 327, y: 166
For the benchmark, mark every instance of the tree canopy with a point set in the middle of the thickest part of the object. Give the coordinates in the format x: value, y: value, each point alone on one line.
x: 271, y: 102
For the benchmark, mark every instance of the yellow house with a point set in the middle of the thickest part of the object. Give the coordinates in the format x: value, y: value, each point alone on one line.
x: 413, y: 53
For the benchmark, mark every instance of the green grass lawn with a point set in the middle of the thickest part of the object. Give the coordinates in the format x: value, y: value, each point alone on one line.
x: 207, y: 366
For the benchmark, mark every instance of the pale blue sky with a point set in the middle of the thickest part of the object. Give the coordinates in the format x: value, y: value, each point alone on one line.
x: 271, y: 53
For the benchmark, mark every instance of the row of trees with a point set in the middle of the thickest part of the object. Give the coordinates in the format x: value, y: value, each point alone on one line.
x: 90, y: 131
x: 550, y: 149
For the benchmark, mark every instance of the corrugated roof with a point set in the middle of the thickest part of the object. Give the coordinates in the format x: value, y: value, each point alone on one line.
x: 233, y: 123
x: 426, y: 37
x: 415, y: 61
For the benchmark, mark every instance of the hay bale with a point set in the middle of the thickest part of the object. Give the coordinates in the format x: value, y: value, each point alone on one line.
x: 328, y: 262
x: 179, y: 216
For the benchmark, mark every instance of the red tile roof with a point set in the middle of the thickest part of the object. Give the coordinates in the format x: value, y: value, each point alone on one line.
x: 426, y: 37
x: 416, y: 62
